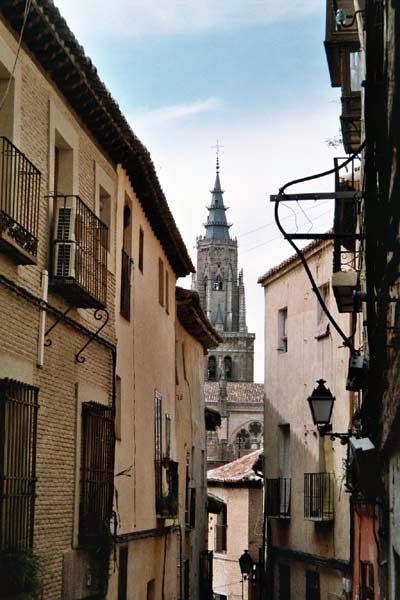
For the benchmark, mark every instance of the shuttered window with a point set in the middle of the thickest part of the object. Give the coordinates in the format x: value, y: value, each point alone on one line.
x: 97, y: 472
x: 18, y: 432
x: 161, y: 282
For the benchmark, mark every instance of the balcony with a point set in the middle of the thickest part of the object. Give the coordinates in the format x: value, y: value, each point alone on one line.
x: 345, y: 252
x: 339, y: 40
x: 318, y: 497
x: 19, y: 204
x: 350, y: 121
x: 79, y: 253
x: 167, y: 504
x: 278, y: 498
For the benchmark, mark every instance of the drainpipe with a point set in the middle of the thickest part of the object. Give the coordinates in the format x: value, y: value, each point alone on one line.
x: 42, y: 318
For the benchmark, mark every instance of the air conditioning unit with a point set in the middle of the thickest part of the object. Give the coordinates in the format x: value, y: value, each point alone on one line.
x: 65, y: 219
x: 64, y: 237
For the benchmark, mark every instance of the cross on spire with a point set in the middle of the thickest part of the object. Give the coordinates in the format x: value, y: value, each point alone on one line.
x: 217, y: 148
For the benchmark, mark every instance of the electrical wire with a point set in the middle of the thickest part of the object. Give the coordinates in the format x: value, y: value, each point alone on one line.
x: 274, y: 239
x: 26, y: 12
x: 347, y: 340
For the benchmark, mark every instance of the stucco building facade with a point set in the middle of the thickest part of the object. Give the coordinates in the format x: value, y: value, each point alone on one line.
x: 307, y: 506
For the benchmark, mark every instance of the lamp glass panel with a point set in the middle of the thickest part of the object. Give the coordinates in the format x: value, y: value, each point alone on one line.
x: 322, y: 410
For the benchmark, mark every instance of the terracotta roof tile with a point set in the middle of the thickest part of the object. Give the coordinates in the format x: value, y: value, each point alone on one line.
x: 237, y: 471
x: 237, y: 391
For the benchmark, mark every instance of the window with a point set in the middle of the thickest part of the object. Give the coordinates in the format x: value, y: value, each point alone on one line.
x: 218, y: 283
x: 243, y: 440
x: 355, y: 72
x: 63, y: 165
x: 127, y: 224
x: 126, y: 266
x: 228, y: 367
x: 312, y: 586
x: 212, y: 368
x: 168, y: 421
x: 18, y: 429
x: 284, y: 582
x: 118, y: 407
x: 7, y: 93
x: 167, y: 292
x: 97, y: 471
x: 322, y: 319
x: 282, y: 330
x: 123, y: 573
x: 367, y: 580
x: 319, y: 496
x: 141, y: 249
x: 157, y: 448
x: 161, y: 282
x: 151, y: 590
x: 186, y: 587
x: 221, y: 525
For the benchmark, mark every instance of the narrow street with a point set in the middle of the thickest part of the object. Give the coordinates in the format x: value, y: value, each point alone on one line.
x: 199, y: 300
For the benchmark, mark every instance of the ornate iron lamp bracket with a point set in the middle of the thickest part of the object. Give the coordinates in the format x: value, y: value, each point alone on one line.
x: 61, y: 318
x: 343, y: 437
x: 99, y: 315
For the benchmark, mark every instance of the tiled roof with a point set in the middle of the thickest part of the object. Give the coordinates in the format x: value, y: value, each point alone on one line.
x: 237, y: 391
x: 237, y: 471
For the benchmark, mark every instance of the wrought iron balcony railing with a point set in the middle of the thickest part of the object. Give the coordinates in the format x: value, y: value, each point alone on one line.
x: 346, y: 254
x: 278, y: 498
x: 19, y: 204
x: 167, y: 504
x: 80, y: 253
x: 319, y: 496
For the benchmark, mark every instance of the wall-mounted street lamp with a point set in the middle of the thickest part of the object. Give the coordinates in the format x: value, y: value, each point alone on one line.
x: 321, y: 405
x: 247, y: 565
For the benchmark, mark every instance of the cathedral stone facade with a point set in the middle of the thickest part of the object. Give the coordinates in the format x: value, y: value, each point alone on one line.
x: 222, y: 295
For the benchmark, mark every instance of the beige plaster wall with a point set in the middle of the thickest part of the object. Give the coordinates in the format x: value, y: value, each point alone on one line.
x: 290, y: 377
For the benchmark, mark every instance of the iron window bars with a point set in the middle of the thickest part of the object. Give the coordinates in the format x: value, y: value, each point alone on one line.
x: 319, y: 496
x: 80, y: 253
x: 278, y: 497
x: 18, y: 433
x: 19, y: 203
x: 97, y: 472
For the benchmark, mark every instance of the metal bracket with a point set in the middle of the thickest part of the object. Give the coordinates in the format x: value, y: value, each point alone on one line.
x: 343, y: 437
x: 316, y: 196
x: 61, y: 318
x: 99, y: 315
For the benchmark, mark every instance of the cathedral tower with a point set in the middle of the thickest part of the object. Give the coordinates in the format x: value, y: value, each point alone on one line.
x: 222, y: 295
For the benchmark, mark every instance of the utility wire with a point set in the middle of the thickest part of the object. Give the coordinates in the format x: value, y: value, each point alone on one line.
x: 26, y: 12
x: 346, y: 339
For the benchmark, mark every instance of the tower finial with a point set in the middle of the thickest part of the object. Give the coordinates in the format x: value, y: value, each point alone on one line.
x: 217, y: 147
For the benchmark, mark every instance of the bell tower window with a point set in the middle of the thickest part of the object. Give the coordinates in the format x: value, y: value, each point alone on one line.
x: 228, y: 367
x: 218, y: 283
x: 212, y: 368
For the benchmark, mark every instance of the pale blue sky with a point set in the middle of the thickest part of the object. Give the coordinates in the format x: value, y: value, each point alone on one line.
x: 251, y: 73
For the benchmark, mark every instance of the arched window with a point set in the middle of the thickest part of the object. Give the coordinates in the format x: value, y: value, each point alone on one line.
x: 228, y: 367
x: 212, y: 368
x: 218, y: 283
x: 243, y: 440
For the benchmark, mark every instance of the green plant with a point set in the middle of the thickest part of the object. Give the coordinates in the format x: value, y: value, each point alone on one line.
x: 20, y: 575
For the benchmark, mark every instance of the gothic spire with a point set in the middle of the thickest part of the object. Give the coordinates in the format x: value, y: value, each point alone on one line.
x: 217, y: 227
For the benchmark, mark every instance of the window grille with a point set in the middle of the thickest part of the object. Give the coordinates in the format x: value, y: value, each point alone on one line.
x: 318, y: 496
x: 220, y: 530
x: 97, y: 472
x: 18, y: 433
x: 125, y: 301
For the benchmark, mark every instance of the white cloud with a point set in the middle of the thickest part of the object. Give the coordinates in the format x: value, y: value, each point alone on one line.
x: 174, y: 112
x: 165, y: 17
